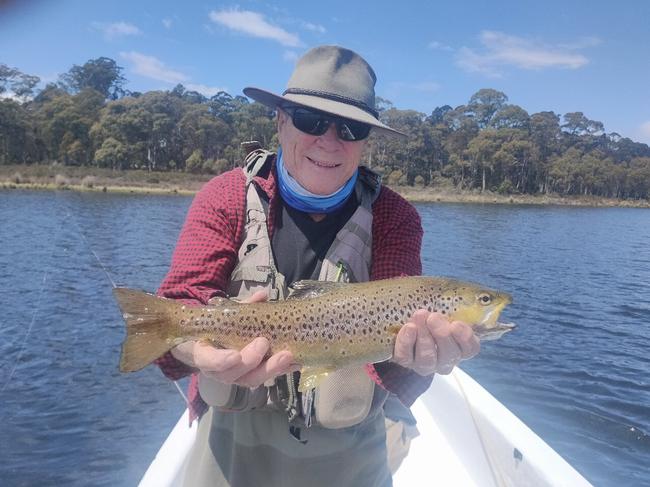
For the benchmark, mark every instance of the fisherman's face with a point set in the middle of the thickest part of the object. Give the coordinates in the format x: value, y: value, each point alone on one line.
x: 321, y: 164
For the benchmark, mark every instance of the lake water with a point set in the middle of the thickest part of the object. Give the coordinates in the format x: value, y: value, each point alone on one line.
x: 576, y: 370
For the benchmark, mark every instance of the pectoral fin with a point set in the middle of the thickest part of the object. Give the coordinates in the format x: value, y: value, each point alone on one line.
x: 311, y: 377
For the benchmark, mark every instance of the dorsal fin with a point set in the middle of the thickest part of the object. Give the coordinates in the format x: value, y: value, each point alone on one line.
x: 307, y: 289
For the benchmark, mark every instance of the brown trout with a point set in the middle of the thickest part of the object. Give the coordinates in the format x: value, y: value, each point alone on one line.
x: 325, y: 325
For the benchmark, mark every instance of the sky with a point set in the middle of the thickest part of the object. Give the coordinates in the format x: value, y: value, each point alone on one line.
x: 562, y: 56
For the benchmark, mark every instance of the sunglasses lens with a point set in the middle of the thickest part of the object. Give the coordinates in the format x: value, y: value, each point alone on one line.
x: 350, y: 130
x: 312, y: 123
x: 317, y: 123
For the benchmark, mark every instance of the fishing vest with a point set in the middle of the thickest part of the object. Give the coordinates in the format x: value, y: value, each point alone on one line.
x: 345, y: 397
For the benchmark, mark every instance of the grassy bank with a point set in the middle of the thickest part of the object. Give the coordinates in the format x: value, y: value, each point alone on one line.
x: 48, y: 177
x: 98, y: 179
x: 447, y: 195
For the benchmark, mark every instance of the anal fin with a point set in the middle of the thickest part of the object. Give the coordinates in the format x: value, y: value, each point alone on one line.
x: 311, y: 377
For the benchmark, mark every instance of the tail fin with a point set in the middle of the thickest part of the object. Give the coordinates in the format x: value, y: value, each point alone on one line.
x: 148, y: 327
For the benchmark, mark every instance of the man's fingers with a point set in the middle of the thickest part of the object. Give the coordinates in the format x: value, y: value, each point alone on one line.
x: 464, y: 336
x: 426, y: 354
x: 257, y: 297
x: 252, y: 355
x: 278, y: 364
x: 449, y: 353
x: 210, y: 359
x: 405, y: 345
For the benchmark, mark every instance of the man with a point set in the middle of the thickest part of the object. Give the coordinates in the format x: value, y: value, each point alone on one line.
x: 309, y: 212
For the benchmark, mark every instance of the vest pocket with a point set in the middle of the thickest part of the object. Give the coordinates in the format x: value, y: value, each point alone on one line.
x: 344, y: 398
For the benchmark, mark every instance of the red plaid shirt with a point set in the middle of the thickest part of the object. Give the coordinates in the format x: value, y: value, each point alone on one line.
x: 206, y: 254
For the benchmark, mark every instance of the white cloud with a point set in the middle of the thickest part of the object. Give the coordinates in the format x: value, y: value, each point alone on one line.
x: 314, y: 27
x: 154, y: 68
x: 114, y: 30
x: 254, y: 24
x: 439, y: 46
x: 500, y: 50
x: 167, y: 23
x: 290, y: 56
x: 205, y: 90
x: 644, y: 132
x: 10, y: 95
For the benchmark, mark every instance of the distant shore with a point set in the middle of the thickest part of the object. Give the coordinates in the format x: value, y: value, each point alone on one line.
x: 56, y: 177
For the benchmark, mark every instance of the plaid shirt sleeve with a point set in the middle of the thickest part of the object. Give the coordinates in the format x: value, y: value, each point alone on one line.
x: 205, y: 254
x: 396, y: 244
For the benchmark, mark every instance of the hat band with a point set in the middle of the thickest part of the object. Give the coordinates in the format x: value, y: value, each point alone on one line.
x: 334, y: 97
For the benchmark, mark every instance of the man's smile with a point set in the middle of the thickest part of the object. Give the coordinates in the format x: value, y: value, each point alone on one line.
x: 320, y: 163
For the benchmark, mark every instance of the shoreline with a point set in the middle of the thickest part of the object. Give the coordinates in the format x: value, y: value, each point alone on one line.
x: 49, y: 178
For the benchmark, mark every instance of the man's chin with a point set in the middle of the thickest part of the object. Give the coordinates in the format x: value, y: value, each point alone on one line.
x: 316, y: 186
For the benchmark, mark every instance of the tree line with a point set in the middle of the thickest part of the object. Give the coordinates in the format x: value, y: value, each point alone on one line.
x: 89, y: 118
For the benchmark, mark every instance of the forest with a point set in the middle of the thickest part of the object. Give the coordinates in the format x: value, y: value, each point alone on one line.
x: 89, y: 118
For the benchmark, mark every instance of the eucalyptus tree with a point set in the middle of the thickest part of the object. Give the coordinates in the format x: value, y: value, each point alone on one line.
x: 101, y: 74
x: 17, y: 84
x: 484, y: 104
x: 18, y: 140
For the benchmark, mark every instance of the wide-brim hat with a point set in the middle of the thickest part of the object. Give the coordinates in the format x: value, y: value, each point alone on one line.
x: 331, y: 79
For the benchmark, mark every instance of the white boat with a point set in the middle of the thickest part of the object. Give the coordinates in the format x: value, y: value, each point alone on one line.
x: 467, y: 438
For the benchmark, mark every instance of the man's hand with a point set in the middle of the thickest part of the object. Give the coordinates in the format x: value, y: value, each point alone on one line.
x: 247, y: 367
x: 429, y: 343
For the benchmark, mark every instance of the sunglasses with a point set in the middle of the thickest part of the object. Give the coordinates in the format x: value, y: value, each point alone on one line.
x: 313, y: 122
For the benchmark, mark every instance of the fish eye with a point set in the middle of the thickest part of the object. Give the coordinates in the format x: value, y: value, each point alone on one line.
x: 484, y: 298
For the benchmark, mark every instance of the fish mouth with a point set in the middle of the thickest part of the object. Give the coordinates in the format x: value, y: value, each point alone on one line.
x: 491, y: 317
x: 491, y: 329
x: 494, y: 331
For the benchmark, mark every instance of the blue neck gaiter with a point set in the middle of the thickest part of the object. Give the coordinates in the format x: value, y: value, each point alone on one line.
x: 301, y: 199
